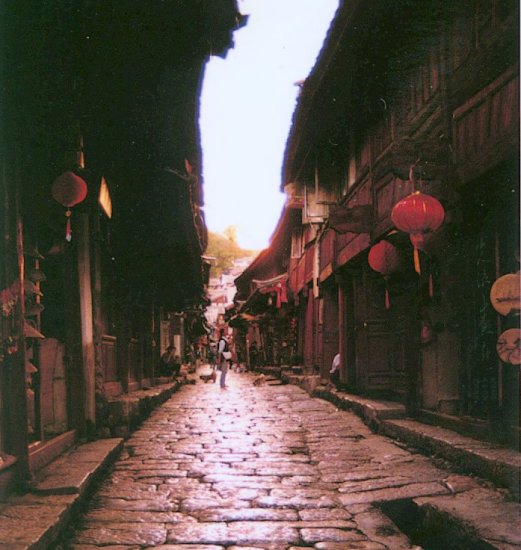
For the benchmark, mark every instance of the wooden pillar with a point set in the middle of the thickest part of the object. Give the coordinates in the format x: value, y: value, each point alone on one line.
x: 97, y: 307
x: 16, y: 438
x: 86, y: 319
x: 412, y: 364
x: 123, y: 342
x: 309, y: 331
x: 408, y: 307
x: 342, y: 333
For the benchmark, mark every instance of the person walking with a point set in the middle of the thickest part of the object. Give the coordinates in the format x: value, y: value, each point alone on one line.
x: 335, y: 370
x: 223, y: 355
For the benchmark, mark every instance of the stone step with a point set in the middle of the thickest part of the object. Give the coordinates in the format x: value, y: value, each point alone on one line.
x: 498, y: 464
x: 478, y: 515
x: 34, y: 520
x: 73, y: 471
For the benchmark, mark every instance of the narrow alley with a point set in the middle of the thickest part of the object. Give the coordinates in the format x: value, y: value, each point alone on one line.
x: 323, y: 198
x: 268, y: 467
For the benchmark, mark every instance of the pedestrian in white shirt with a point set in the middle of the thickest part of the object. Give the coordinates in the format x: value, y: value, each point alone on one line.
x: 335, y: 369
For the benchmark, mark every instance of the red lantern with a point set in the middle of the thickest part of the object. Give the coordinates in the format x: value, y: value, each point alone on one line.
x: 69, y: 190
x: 418, y: 214
x: 385, y: 259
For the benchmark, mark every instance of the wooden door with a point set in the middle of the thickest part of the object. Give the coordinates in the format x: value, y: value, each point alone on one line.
x: 380, y: 338
x: 309, y: 331
x: 329, y: 336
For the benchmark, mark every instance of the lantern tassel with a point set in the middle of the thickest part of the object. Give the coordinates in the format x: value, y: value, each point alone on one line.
x: 417, y: 267
x: 68, y: 229
x: 431, y: 286
x: 387, y: 300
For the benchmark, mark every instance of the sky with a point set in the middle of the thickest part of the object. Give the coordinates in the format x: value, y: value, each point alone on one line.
x: 247, y: 103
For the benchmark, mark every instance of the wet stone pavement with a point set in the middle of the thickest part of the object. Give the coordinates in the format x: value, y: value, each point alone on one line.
x: 264, y: 467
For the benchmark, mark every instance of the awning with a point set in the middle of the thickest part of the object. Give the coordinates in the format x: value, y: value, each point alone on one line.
x: 277, y: 285
x: 242, y: 319
x: 267, y: 283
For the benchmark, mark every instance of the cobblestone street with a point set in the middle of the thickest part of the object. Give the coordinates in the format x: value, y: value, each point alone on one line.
x: 262, y: 467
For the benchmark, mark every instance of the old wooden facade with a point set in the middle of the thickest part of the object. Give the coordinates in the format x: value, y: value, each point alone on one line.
x: 264, y: 312
x: 411, y: 96
x: 109, y: 93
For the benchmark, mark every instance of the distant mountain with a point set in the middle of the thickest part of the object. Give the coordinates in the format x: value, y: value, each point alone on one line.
x: 226, y: 251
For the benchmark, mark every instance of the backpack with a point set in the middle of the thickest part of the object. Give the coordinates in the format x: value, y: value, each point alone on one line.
x: 225, y: 345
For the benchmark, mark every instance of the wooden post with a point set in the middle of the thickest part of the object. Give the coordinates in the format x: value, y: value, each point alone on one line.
x: 342, y: 340
x: 123, y: 343
x: 86, y: 317
x: 412, y: 361
x: 17, y: 440
x: 13, y: 396
x: 97, y: 306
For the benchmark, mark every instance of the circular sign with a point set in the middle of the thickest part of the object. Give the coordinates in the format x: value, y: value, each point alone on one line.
x: 504, y: 294
x: 509, y: 346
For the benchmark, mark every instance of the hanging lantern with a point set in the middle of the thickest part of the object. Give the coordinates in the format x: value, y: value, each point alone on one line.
x: 418, y: 214
x: 69, y: 190
x: 385, y: 259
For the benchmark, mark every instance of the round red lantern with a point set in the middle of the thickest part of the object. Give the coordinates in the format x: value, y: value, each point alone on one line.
x: 385, y: 259
x: 69, y: 190
x: 418, y: 214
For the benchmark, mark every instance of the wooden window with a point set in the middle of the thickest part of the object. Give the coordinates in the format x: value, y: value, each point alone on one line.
x: 351, y: 173
x: 297, y: 242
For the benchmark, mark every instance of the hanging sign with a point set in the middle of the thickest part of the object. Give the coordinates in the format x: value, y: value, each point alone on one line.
x: 104, y: 198
x: 509, y: 346
x: 504, y: 294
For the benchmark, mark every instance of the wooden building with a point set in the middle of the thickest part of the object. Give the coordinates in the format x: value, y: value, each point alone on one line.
x: 412, y: 96
x: 107, y: 94
x: 264, y: 308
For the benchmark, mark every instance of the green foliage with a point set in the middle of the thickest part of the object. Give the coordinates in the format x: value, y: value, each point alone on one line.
x: 225, y: 250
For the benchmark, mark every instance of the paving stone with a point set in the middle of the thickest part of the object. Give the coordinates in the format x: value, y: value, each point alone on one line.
x: 187, y: 547
x: 259, y: 479
x: 304, y: 481
x: 379, y: 528
x: 262, y: 468
x: 249, y: 532
x: 353, y: 545
x: 122, y: 533
x: 329, y: 534
x: 196, y: 504
x: 115, y: 516
x: 411, y: 490
x: 324, y: 514
x: 244, y: 514
x: 153, y: 505
x: 206, y: 533
x: 298, y: 502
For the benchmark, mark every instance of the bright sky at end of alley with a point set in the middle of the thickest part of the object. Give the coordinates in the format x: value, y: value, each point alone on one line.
x: 247, y: 103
